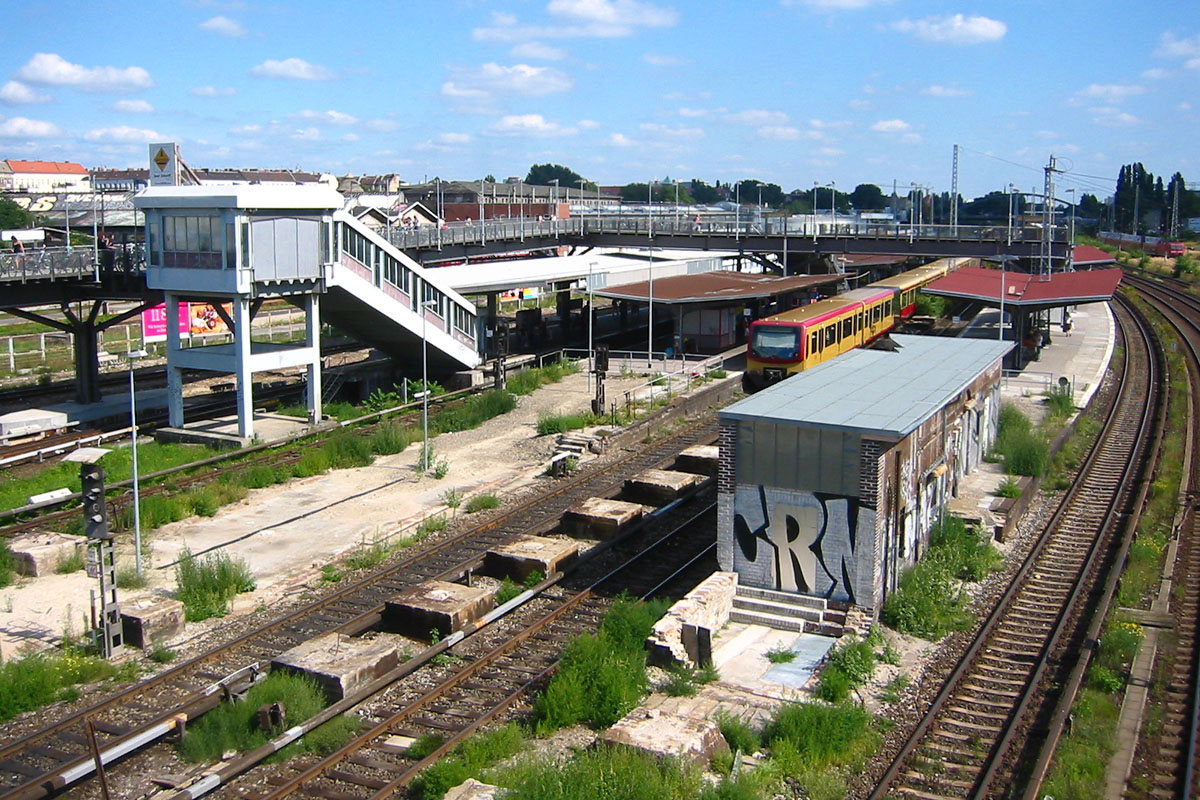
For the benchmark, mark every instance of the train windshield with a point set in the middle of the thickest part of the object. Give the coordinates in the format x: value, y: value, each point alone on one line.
x: 774, y: 341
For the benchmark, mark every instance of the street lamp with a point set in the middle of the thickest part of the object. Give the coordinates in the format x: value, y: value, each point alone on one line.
x: 1072, y: 229
x: 737, y: 201
x: 137, y: 511
x: 1010, y: 213
x: 425, y: 385
x: 554, y: 204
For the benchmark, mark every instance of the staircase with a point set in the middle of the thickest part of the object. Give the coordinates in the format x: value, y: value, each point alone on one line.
x: 787, y: 611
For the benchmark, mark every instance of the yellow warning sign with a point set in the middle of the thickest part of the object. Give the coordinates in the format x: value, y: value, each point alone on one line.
x: 161, y: 158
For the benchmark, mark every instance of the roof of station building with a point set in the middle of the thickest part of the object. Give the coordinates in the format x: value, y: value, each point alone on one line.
x: 263, y: 196
x: 1086, y: 255
x: 716, y: 286
x: 881, y: 393
x: 1026, y: 289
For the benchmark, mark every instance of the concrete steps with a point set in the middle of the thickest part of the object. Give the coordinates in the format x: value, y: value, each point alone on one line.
x: 786, y: 611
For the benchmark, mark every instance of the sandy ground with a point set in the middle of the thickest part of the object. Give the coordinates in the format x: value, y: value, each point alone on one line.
x: 287, y: 532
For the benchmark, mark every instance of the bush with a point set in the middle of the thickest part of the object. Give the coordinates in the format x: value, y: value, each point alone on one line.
x: 482, y: 501
x: 469, y: 759
x: 431, y: 525
x: 1061, y: 402
x: 234, y: 726
x: 561, y: 423
x: 927, y: 603
x: 1025, y: 451
x: 612, y: 773
x: 507, y: 591
x: 345, y: 450
x: 601, y: 677
x: 963, y: 549
x: 127, y: 577
x: 34, y: 680
x: 472, y: 412
x: 72, y: 562
x: 390, y: 438
x: 780, y: 655
x: 1008, y: 488
x: 821, y: 734
x: 8, y: 569
x: 738, y: 734
x: 205, y: 586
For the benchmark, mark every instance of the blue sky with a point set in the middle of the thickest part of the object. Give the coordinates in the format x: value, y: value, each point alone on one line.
x: 786, y: 91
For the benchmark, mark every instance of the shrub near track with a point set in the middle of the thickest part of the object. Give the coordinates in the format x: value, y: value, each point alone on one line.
x: 206, y: 585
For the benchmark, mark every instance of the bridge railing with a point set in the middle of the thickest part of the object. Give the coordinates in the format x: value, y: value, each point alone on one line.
x: 667, y: 224
x: 62, y: 263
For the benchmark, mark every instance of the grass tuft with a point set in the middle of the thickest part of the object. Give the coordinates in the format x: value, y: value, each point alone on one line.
x: 206, y: 585
x: 481, y: 502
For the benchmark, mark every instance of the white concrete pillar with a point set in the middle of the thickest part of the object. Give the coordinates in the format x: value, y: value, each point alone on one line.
x: 312, y: 339
x: 245, y: 378
x: 174, y: 373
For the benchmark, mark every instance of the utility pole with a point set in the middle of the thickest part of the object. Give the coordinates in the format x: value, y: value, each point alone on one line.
x: 954, y: 195
x: 1048, y: 219
x: 1174, y: 212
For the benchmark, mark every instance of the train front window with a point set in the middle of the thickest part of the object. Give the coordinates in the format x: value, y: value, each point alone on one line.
x: 775, y: 341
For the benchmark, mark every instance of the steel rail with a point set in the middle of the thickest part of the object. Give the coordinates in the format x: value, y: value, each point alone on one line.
x: 992, y: 623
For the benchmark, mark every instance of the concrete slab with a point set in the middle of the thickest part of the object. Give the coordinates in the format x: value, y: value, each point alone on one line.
x: 658, y: 487
x: 437, y: 605
x: 739, y: 653
x: 702, y: 459
x: 600, y: 518
x: 150, y: 621
x: 31, y: 421
x: 38, y: 554
x: 222, y: 432
x: 519, y: 558
x: 341, y: 664
x: 664, y: 734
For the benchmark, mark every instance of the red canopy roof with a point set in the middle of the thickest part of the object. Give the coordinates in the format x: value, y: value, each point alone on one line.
x: 1086, y: 255
x: 1023, y: 289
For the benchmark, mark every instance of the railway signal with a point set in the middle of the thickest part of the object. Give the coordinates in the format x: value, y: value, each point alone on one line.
x: 102, y: 561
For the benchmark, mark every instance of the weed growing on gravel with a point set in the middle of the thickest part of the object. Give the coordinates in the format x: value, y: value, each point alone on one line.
x: 481, y: 502
x: 367, y: 556
x: 469, y: 759
x: 1081, y: 759
x: 472, y: 411
x: 1008, y: 487
x: 848, y: 667
x: 507, y: 591
x: 161, y: 654
x: 206, y: 585
x: 33, y: 680
x: 601, y: 676
x: 780, y: 655
x: 891, y: 692
x: 601, y: 772
x: 561, y: 423
x: 1024, y: 449
x: 8, y: 568
x: 234, y: 726
x: 820, y: 735
x: 127, y: 578
x: 739, y: 735
x: 391, y: 438
x: 72, y: 562
x: 1060, y: 400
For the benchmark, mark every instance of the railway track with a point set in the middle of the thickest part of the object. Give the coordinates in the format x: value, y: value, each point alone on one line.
x: 1166, y: 756
x: 30, y: 763
x: 501, y: 670
x: 969, y: 741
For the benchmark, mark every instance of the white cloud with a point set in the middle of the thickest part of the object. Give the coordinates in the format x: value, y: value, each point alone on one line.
x: 677, y: 132
x: 1110, y: 92
x: 655, y: 60
x: 350, y: 137
x: 693, y: 112
x: 1112, y: 117
x: 587, y: 124
x: 528, y: 125
x: 830, y: 151
x: 246, y: 130
x: 620, y: 140
x: 332, y: 117
x: 307, y: 135
x: 1155, y: 74
x: 480, y: 82
x: 17, y: 93
x: 16, y: 127
x: 858, y: 104
x: 578, y: 19
x: 454, y: 138
x: 1186, y: 49
x: 383, y: 125
x: 891, y: 126
x: 1184, y: 106
x: 223, y: 26
x: 51, y: 69
x: 829, y: 124
x: 538, y: 50
x: 757, y: 116
x: 133, y: 106
x: 212, y: 91
x: 122, y: 134
x: 780, y: 133
x: 955, y: 29
x: 937, y: 90
x: 911, y: 138
x: 292, y: 69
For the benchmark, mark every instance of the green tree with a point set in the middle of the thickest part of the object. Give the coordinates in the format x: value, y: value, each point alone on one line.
x: 867, y: 197
x: 12, y: 216
x: 635, y: 192
x: 703, y: 193
x: 544, y: 175
x: 771, y: 193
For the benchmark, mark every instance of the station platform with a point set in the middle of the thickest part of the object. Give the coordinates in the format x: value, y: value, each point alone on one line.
x: 1081, y: 357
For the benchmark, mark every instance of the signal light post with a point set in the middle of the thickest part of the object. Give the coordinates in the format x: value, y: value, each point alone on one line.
x: 101, y: 561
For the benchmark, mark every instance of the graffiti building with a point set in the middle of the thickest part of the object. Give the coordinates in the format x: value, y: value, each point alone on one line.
x: 830, y: 481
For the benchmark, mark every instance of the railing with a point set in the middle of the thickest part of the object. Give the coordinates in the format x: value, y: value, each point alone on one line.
x: 462, y: 233
x: 60, y: 263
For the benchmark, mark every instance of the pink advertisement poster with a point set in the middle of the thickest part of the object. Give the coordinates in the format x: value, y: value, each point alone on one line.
x: 154, y: 323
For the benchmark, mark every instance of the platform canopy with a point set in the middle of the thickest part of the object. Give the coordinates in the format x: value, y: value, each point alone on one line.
x: 717, y: 287
x: 1084, y: 255
x: 1026, y: 291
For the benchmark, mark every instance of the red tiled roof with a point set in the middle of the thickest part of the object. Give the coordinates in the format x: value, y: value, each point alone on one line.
x: 1086, y: 254
x: 1023, y: 289
x: 48, y: 167
x: 716, y: 286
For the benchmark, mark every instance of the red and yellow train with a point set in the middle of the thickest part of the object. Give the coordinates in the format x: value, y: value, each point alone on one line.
x: 794, y: 340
